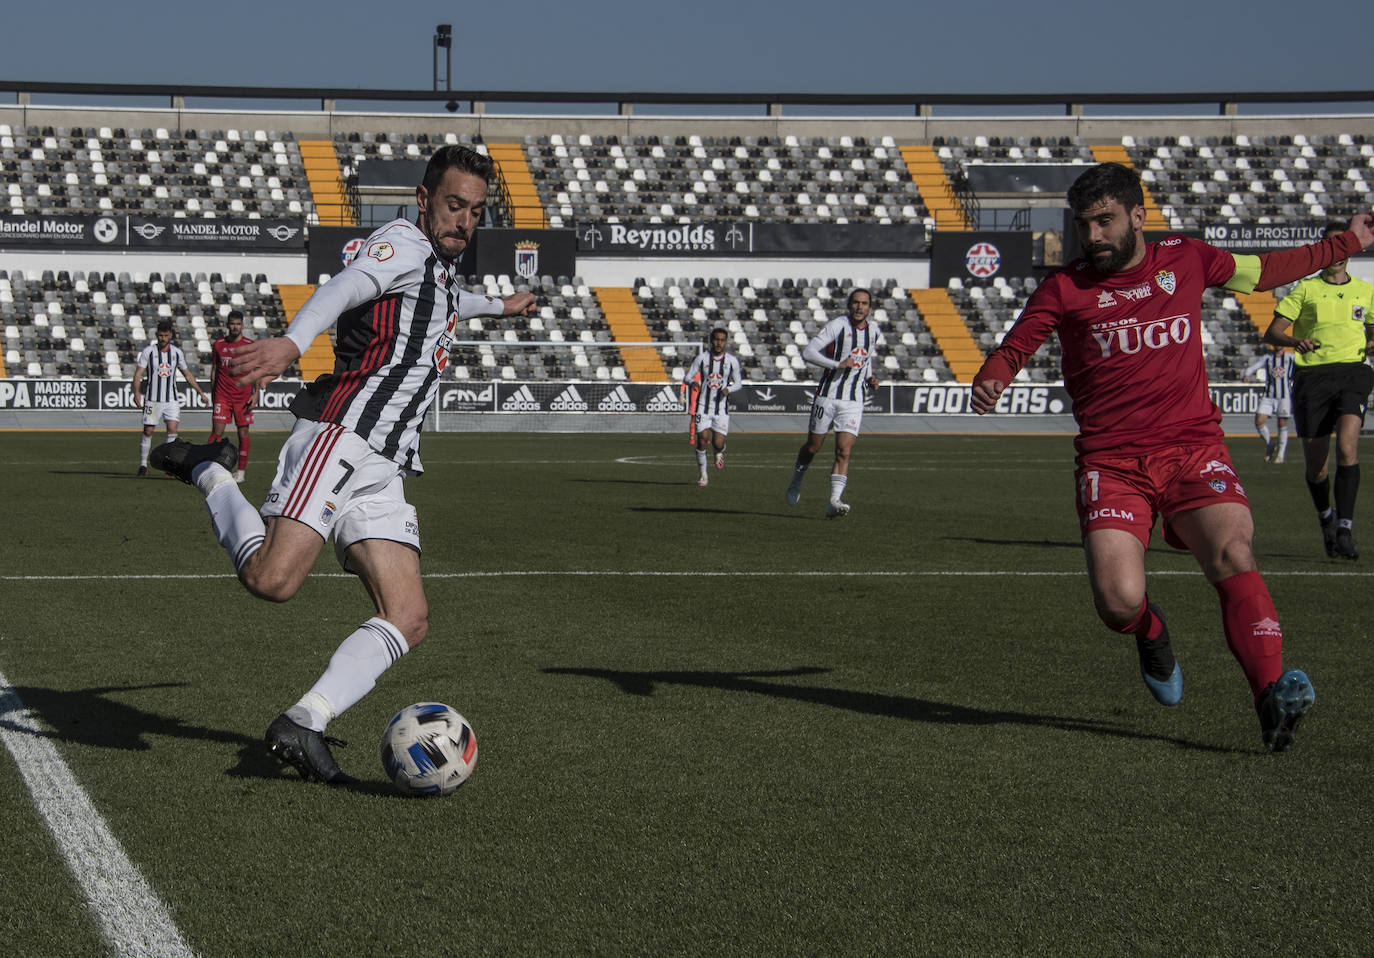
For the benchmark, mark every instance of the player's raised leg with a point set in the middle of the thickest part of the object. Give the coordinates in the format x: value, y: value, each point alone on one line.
x: 1116, y: 572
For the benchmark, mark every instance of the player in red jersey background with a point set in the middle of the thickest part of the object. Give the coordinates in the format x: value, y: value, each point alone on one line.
x: 232, y: 402
x: 1128, y: 316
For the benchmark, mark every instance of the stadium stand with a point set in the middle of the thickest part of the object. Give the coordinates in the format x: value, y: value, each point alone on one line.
x: 180, y: 173
x: 559, y: 173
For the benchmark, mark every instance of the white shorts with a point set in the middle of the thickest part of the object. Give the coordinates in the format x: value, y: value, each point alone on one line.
x: 843, y: 415
x: 1270, y: 406
x: 156, y: 412
x: 329, y: 478
x: 718, y: 423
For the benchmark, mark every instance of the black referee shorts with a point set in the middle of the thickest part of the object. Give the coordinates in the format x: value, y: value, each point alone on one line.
x: 1323, y: 394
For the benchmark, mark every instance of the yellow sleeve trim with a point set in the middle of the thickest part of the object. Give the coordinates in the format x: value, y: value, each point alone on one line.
x: 1246, y: 276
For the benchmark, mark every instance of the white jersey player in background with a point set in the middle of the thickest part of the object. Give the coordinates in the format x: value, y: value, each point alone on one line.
x: 1277, y: 400
x: 155, y: 388
x: 715, y: 373
x: 356, y: 437
x: 846, y: 349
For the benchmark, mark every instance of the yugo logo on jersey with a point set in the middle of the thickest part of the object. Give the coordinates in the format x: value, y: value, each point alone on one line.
x: 1130, y: 336
x: 527, y: 259
x: 983, y: 260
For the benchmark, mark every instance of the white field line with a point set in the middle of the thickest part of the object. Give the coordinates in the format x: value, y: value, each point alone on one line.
x: 691, y: 574
x: 132, y: 918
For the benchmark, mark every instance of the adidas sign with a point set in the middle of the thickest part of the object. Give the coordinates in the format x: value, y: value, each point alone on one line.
x: 569, y: 400
x: 666, y: 401
x: 618, y: 400
x: 522, y: 400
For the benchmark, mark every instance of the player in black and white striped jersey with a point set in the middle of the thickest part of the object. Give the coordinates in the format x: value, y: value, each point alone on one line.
x: 339, y: 475
x: 1277, y: 400
x: 715, y: 373
x: 846, y: 349
x: 155, y: 388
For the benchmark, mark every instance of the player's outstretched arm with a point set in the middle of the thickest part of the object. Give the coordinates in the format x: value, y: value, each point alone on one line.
x: 520, y: 304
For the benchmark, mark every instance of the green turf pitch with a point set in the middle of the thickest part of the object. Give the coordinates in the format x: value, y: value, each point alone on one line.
x: 709, y: 724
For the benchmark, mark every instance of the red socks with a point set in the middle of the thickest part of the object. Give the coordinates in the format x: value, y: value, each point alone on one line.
x: 243, y: 453
x: 1252, y: 628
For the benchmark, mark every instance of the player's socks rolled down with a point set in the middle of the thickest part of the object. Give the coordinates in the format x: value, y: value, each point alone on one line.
x: 1146, y: 625
x: 1252, y: 628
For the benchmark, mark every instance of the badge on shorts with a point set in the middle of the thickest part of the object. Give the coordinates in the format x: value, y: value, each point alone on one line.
x: 327, y: 513
x: 1218, y: 485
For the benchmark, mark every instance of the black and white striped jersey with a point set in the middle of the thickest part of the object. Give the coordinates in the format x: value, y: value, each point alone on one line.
x: 837, y: 340
x: 715, y: 376
x: 399, y: 309
x: 158, y: 370
x: 1278, y: 373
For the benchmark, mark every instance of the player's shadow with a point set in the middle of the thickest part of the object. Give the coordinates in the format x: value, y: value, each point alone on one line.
x: 633, y: 482
x: 92, y: 717
x: 1033, y: 543
x: 866, y: 703
x: 702, y: 510
x: 105, y: 474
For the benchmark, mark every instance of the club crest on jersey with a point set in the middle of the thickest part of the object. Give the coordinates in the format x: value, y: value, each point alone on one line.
x: 381, y: 251
x: 527, y: 258
x: 1165, y: 280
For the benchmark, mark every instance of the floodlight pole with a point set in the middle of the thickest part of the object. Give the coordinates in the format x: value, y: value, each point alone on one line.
x: 443, y: 37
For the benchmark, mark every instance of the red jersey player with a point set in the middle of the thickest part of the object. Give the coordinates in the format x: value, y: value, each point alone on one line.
x: 231, y: 401
x: 1129, y: 321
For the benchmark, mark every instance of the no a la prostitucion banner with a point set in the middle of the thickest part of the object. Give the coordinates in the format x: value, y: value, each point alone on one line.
x: 932, y: 399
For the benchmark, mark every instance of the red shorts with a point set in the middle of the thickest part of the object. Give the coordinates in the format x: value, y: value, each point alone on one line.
x: 1129, y: 492
x: 240, y: 413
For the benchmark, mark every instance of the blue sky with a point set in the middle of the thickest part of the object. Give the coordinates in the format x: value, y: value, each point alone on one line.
x: 859, y: 46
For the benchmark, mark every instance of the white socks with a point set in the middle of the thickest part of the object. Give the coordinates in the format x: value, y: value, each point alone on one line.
x: 701, y: 459
x: 238, y: 525
x: 353, y: 670
x: 837, y: 484
x: 144, y: 445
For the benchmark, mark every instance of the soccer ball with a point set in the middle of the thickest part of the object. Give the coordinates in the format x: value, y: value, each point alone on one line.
x: 428, y: 749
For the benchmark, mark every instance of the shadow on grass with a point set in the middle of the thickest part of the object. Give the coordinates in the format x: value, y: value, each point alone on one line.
x: 669, y: 510
x: 1042, y: 543
x: 866, y: 703
x: 91, y: 717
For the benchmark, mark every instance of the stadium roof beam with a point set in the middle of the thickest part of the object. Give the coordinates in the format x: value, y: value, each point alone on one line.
x: 624, y: 102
